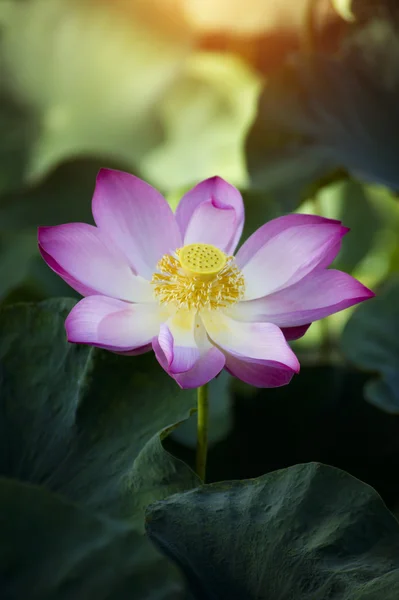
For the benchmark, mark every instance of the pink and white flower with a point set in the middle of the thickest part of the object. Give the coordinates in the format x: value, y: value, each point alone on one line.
x: 168, y: 281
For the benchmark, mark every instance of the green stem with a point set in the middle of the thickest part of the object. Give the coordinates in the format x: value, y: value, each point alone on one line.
x: 202, y: 430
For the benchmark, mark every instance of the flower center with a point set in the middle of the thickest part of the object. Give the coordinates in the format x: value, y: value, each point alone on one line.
x: 198, y: 276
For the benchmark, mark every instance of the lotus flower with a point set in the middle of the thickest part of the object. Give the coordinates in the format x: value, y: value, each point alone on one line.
x: 154, y: 279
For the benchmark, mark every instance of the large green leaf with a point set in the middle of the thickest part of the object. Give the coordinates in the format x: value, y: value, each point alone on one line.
x: 86, y: 424
x: 371, y: 341
x: 310, y: 532
x: 80, y: 420
x: 52, y: 549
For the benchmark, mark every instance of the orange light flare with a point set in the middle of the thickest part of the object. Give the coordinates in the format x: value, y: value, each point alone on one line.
x: 275, y: 32
x: 262, y: 32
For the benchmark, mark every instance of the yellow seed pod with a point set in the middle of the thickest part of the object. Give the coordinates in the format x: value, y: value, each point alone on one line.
x: 202, y: 259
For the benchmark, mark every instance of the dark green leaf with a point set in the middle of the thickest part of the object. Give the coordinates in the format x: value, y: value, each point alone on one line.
x: 63, y: 196
x: 371, y: 341
x: 354, y: 112
x: 81, y: 421
x: 88, y: 425
x: 283, y: 160
x: 310, y: 532
x: 327, y: 113
x: 287, y: 171
x: 51, y: 549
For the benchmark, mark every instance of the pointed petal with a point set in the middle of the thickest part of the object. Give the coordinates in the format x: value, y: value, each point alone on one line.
x: 212, y: 213
x: 136, y: 217
x: 259, y: 373
x: 274, y: 227
x: 289, y: 256
x: 87, y: 261
x: 113, y: 324
x: 264, y: 341
x: 318, y: 295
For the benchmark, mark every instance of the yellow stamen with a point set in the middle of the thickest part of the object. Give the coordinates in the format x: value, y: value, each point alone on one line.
x: 199, y: 276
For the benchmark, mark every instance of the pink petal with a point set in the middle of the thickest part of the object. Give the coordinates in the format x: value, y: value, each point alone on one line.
x: 71, y: 281
x: 259, y: 373
x: 137, y: 219
x: 113, y: 324
x: 319, y: 294
x: 289, y: 256
x: 212, y: 213
x: 208, y: 366
x: 274, y: 227
x: 86, y: 260
x: 263, y: 341
x: 177, y: 341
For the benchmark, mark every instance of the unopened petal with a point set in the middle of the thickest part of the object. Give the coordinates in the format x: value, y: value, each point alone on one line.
x: 88, y: 262
x: 289, y: 256
x: 263, y: 341
x: 137, y: 219
x: 321, y: 293
x: 113, y: 324
x: 212, y: 213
